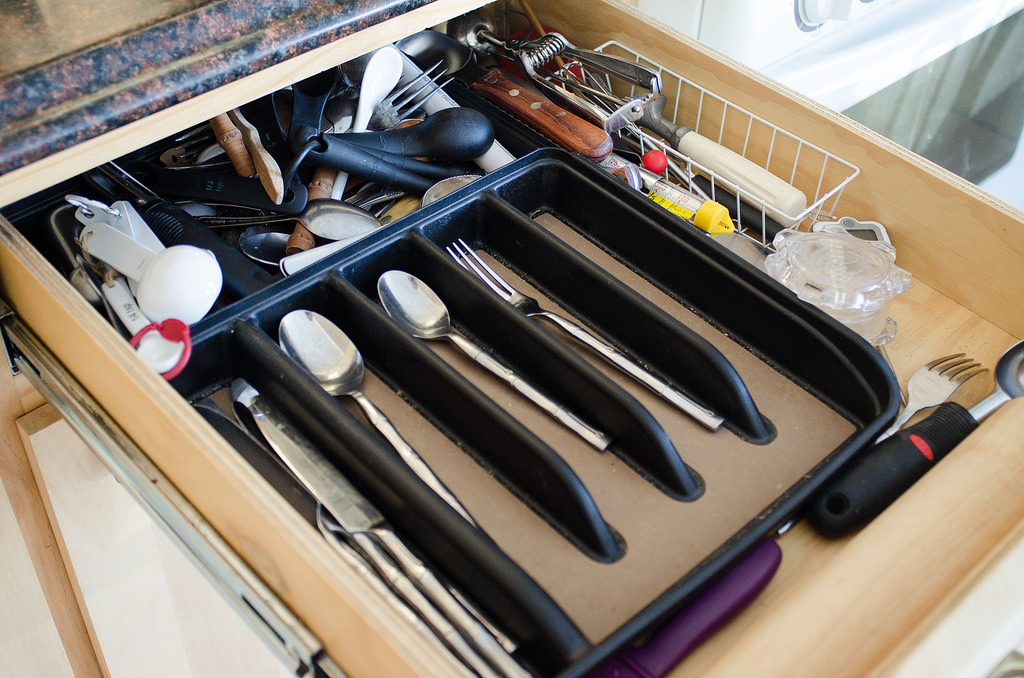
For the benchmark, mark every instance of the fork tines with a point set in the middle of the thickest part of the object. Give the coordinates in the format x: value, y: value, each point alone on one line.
x: 470, y: 260
x: 956, y: 367
x: 401, y: 107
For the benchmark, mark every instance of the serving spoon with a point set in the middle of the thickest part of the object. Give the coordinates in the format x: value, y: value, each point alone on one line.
x: 335, y: 362
x: 383, y: 71
x: 418, y: 309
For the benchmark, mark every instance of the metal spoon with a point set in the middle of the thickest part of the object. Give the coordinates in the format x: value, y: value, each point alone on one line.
x: 263, y: 244
x: 327, y: 219
x: 330, y: 356
x: 411, y: 303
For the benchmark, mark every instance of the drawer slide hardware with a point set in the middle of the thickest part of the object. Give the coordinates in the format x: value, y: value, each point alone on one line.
x: 294, y: 644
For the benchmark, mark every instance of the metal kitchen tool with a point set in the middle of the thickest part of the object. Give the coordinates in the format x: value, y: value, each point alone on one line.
x: 476, y: 30
x: 578, y: 94
x: 370, y: 534
x: 328, y: 219
x: 563, y: 127
x: 334, y: 361
x: 882, y: 473
x: 932, y: 384
x: 471, y: 261
x: 401, y: 104
x: 339, y: 539
x: 263, y: 244
x: 62, y: 229
x: 412, y: 304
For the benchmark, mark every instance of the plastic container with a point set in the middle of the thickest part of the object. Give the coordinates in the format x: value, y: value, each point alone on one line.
x: 850, y: 279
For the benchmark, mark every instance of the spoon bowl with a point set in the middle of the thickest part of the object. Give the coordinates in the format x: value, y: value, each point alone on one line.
x: 324, y: 349
x: 414, y: 305
x: 263, y: 244
x: 336, y: 220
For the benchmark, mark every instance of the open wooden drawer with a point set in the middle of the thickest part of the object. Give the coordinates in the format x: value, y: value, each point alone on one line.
x: 946, y: 232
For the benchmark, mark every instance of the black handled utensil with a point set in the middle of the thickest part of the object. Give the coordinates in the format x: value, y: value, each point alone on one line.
x: 217, y: 188
x: 449, y: 135
x: 882, y: 473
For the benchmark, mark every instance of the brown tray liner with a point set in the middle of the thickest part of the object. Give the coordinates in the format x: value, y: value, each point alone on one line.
x: 664, y: 538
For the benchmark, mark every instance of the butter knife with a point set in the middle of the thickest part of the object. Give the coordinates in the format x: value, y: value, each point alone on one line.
x: 372, y: 537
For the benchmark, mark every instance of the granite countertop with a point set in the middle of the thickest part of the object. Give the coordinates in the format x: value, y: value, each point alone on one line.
x: 70, y: 72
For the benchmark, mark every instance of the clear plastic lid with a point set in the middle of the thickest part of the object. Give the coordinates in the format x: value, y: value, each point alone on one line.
x: 836, y: 271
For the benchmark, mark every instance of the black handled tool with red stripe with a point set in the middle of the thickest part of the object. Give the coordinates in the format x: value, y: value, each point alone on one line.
x: 882, y: 473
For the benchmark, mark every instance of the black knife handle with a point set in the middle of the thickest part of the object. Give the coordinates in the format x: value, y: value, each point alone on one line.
x: 880, y: 474
x: 174, y: 226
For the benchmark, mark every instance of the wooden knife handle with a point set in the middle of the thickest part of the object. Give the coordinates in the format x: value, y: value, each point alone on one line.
x: 230, y: 139
x: 319, y: 188
x: 564, y: 128
x: 267, y: 168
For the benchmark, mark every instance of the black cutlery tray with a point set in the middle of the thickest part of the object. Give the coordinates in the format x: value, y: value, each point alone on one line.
x: 579, y: 550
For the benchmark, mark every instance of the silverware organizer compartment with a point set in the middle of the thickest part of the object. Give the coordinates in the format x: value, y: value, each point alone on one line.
x: 580, y: 551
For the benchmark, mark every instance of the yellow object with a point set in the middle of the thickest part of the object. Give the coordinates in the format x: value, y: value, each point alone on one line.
x: 713, y: 218
x: 710, y: 216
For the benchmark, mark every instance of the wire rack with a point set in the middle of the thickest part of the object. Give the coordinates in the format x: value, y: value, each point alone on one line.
x: 821, y: 175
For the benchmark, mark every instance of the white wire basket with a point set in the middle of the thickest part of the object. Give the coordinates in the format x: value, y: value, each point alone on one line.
x: 821, y: 175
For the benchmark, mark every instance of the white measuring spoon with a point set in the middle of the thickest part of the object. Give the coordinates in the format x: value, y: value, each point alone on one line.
x: 383, y: 71
x: 180, y: 282
x: 159, y: 353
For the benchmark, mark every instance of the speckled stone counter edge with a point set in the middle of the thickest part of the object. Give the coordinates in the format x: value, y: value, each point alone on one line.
x: 79, y: 96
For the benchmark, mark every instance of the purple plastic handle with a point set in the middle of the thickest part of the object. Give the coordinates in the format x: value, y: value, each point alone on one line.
x: 704, y: 615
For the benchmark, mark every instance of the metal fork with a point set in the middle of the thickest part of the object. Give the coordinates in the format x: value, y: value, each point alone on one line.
x: 398, y: 106
x: 932, y: 384
x: 470, y: 260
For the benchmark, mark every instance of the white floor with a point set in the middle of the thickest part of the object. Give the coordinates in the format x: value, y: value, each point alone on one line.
x: 29, y: 644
